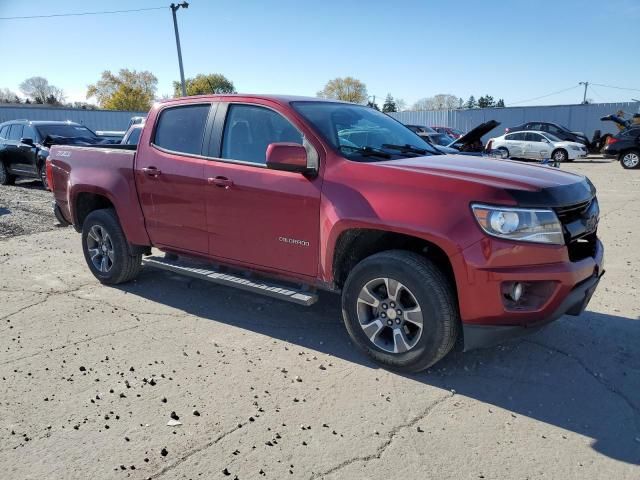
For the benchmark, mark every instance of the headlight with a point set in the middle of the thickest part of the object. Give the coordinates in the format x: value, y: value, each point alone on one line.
x: 522, y: 224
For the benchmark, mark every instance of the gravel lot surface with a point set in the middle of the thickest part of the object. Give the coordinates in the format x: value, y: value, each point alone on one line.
x: 90, y: 376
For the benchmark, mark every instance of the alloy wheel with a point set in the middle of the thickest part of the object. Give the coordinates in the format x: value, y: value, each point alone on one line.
x: 100, y: 248
x: 631, y: 160
x: 390, y: 315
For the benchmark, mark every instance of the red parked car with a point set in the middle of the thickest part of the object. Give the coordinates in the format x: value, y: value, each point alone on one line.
x: 312, y: 194
x: 452, y: 132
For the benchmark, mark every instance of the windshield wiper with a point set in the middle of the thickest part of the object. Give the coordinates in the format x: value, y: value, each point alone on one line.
x: 411, y: 149
x: 367, y: 151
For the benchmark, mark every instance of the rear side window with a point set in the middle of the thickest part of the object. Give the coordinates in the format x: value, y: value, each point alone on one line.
x: 515, y: 136
x: 16, y: 132
x: 249, y: 130
x: 181, y: 129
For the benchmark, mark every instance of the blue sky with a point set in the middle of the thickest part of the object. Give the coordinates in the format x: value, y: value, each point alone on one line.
x: 513, y: 49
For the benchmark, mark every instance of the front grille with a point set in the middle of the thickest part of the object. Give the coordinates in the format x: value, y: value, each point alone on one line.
x: 579, y: 223
x: 572, y: 213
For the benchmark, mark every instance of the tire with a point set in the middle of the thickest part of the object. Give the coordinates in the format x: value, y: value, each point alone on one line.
x: 560, y: 155
x: 504, y: 149
x: 42, y: 175
x: 5, y: 177
x: 630, y: 160
x: 102, y: 229
x: 422, y: 285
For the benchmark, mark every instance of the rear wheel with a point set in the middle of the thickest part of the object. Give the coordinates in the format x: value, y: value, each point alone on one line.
x: 5, y: 177
x: 106, y: 249
x: 560, y: 155
x: 630, y: 160
x: 400, y: 309
x: 505, y: 150
x: 42, y: 175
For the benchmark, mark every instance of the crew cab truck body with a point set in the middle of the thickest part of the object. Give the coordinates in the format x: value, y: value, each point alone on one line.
x: 423, y: 247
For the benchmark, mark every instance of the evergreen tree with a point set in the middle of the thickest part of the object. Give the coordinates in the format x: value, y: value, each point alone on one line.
x: 373, y: 105
x: 471, y: 103
x: 500, y: 103
x: 389, y: 104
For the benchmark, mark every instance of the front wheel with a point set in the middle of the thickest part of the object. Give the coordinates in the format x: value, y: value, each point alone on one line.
x: 106, y: 249
x: 560, y: 155
x: 630, y: 160
x: 401, y: 310
x: 42, y: 174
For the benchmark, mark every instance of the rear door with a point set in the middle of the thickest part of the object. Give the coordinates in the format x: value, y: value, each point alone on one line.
x: 259, y: 216
x: 17, y: 153
x: 170, y: 178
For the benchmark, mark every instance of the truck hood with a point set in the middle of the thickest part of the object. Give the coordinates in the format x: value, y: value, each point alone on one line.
x: 529, y: 185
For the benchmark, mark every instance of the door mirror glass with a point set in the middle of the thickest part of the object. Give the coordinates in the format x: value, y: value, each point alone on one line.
x: 290, y: 157
x: 27, y: 141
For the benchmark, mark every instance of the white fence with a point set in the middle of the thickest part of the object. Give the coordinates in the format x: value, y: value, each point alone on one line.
x: 578, y: 118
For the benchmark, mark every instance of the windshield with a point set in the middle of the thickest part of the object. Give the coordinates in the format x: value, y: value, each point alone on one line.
x: 441, y: 139
x: 65, y: 130
x: 355, y: 130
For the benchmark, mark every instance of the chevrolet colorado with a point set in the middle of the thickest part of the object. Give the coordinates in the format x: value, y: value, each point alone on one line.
x: 286, y: 195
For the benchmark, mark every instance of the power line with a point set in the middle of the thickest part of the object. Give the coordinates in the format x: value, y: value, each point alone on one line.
x: 544, y: 96
x: 106, y: 12
x: 617, y: 88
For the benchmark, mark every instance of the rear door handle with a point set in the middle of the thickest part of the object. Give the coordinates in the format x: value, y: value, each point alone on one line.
x: 220, y: 181
x: 151, y: 171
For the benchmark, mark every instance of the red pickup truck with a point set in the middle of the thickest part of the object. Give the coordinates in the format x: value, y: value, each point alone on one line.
x: 285, y: 195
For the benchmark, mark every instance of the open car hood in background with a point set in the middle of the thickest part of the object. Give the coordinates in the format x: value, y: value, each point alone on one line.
x: 475, y: 135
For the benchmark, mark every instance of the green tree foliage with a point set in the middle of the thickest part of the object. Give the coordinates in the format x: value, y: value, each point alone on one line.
x: 347, y: 89
x: 500, y: 103
x: 389, y: 104
x: 471, y: 103
x: 204, y: 84
x: 486, y: 102
x: 126, y: 90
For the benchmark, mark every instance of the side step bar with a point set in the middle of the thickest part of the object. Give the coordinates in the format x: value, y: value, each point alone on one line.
x: 208, y: 274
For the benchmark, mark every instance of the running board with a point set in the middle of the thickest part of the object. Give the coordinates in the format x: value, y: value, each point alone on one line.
x: 208, y: 274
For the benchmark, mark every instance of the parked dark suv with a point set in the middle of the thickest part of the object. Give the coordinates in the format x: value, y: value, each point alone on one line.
x: 563, y: 133
x: 625, y: 146
x: 24, y: 146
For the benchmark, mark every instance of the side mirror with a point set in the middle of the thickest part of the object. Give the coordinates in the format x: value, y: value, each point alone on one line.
x: 27, y: 141
x: 289, y: 157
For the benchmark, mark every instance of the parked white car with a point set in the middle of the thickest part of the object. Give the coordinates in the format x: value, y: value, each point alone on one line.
x: 537, y: 146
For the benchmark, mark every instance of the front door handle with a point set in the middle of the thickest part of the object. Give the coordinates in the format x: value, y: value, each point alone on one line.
x: 151, y: 171
x: 223, y: 182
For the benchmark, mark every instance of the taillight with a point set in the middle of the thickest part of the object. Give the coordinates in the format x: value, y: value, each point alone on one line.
x: 49, y: 168
x: 611, y: 140
x: 489, y: 145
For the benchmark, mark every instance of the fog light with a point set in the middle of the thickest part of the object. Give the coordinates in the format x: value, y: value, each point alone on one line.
x: 516, y: 291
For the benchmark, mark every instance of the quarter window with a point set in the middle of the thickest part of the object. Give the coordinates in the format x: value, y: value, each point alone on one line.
x: 181, y: 129
x: 4, y: 132
x: 250, y: 129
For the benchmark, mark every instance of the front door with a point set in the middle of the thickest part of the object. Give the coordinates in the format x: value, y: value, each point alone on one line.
x: 170, y: 179
x: 256, y: 215
x: 536, y: 147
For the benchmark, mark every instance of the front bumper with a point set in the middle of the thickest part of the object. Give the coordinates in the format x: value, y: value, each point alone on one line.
x: 481, y: 336
x: 487, y: 320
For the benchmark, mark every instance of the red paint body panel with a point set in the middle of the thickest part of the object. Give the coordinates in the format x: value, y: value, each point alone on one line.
x: 288, y: 224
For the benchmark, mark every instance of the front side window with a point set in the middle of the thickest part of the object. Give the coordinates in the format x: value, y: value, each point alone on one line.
x: 533, y: 137
x: 181, y: 129
x: 250, y: 129
x: 28, y: 132
x: 16, y: 132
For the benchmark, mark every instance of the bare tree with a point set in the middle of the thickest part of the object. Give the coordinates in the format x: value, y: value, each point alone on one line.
x: 39, y: 90
x: 441, y: 101
x: 8, y: 96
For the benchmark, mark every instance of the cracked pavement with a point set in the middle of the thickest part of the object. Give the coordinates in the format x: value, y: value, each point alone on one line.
x: 89, y: 377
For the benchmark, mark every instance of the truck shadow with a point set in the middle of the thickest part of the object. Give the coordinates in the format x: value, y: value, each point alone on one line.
x: 581, y: 374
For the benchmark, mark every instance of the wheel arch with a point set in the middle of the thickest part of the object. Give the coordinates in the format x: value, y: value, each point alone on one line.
x: 355, y: 244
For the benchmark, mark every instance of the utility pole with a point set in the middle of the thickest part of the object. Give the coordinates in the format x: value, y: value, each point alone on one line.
x: 586, y: 85
x: 174, y: 9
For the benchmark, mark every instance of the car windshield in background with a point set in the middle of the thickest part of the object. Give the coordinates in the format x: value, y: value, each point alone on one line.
x: 441, y: 139
x: 552, y: 137
x: 66, y: 131
x: 362, y: 133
